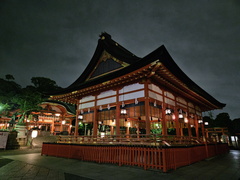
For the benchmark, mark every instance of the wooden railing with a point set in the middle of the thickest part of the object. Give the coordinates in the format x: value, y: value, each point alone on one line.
x: 151, y: 140
x: 147, y: 157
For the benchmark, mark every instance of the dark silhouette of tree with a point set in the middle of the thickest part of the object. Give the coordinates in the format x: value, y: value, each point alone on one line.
x: 45, y: 85
x: 236, y: 125
x: 223, y: 120
x: 25, y: 100
x: 9, y: 77
x: 210, y: 121
x: 8, y: 89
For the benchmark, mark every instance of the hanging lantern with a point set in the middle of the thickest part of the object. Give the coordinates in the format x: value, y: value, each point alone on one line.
x: 180, y: 116
x: 200, y: 121
x: 173, y: 117
x: 80, y: 117
x: 168, y: 111
x: 136, y: 101
x: 57, y: 114
x: 123, y: 111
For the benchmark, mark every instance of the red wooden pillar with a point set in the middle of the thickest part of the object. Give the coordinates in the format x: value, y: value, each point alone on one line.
x: 69, y: 127
x: 164, y: 125
x: 203, y: 131
x: 95, y: 120
x: 117, y: 116
x: 147, y: 107
x: 189, y: 126
x: 76, y: 125
x: 196, y: 126
x: 61, y: 121
x: 52, y: 126
x: 177, y: 121
x: 76, y: 121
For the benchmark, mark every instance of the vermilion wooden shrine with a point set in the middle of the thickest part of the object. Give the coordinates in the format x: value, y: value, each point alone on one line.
x: 120, y: 93
x: 55, y: 117
x: 144, y: 112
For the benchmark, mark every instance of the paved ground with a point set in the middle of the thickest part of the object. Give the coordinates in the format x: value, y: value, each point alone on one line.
x: 29, y: 164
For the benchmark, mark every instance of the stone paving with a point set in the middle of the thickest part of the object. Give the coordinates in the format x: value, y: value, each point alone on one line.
x: 29, y: 164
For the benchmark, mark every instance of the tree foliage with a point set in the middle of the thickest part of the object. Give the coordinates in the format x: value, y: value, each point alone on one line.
x: 44, y: 85
x: 27, y: 100
x: 236, y: 125
x: 24, y: 100
x: 210, y: 121
x: 222, y: 120
x: 9, y: 77
x: 8, y: 90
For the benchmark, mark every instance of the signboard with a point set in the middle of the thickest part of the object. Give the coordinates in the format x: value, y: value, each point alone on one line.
x: 3, y: 139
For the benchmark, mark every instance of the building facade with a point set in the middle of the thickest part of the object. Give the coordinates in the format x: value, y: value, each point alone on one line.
x: 54, y: 117
x: 120, y: 93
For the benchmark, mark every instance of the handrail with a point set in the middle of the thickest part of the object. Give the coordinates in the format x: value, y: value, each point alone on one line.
x: 143, y: 139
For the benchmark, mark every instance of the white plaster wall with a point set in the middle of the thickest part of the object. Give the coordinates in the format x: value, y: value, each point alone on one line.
x: 133, y: 95
x: 131, y: 87
x: 155, y: 96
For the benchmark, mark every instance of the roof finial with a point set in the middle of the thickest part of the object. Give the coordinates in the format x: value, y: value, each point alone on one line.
x: 104, y: 35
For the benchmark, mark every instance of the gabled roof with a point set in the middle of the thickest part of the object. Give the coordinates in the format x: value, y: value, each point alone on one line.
x: 111, y: 61
x: 108, y: 54
x: 71, y: 109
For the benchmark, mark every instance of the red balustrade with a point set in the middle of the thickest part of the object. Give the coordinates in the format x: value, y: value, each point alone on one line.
x: 155, y: 157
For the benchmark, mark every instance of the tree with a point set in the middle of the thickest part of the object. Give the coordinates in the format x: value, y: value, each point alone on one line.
x: 223, y: 120
x: 4, y: 108
x: 45, y: 85
x: 24, y: 100
x: 31, y: 96
x: 8, y: 90
x: 9, y: 77
x: 236, y: 125
x: 210, y: 121
x: 27, y: 100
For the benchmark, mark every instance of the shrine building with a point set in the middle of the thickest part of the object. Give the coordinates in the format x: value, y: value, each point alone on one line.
x: 120, y: 93
x: 55, y: 117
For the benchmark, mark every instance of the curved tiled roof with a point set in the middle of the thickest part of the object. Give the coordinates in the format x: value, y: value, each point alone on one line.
x: 105, y: 43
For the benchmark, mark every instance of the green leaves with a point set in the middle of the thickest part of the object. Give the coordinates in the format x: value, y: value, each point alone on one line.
x: 13, y: 97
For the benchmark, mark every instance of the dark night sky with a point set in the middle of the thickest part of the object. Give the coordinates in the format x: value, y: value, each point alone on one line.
x: 56, y: 39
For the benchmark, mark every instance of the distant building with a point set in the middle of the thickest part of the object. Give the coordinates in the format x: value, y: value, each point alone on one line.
x: 55, y: 117
x: 120, y: 93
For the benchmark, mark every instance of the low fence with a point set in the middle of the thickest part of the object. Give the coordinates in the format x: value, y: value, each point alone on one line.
x: 148, y: 157
x: 155, y: 140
